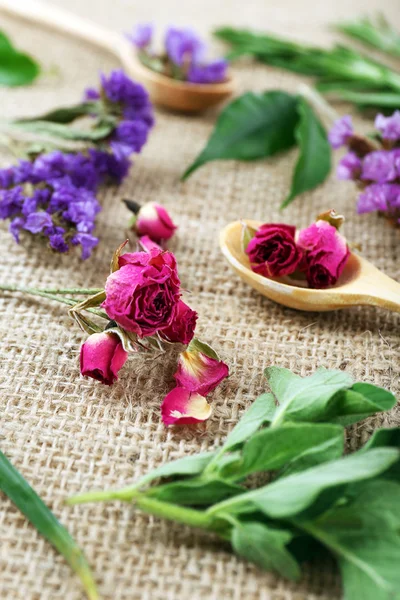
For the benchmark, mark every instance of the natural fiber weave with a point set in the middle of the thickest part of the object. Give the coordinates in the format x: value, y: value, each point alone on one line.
x: 67, y: 434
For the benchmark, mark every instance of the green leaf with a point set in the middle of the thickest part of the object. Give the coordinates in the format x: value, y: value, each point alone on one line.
x: 304, y: 398
x: 327, y: 450
x: 389, y: 100
x: 359, y: 402
x: 271, y: 449
x: 259, y: 413
x: 28, y: 502
x: 195, y: 492
x: 188, y: 465
x: 253, y: 126
x: 377, y: 34
x: 364, y: 536
x: 64, y: 115
x: 266, y: 548
x: 383, y: 438
x: 291, y: 495
x: 16, y: 68
x: 314, y: 162
x: 60, y: 130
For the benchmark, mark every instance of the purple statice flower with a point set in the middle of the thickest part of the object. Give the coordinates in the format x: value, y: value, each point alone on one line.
x: 349, y: 166
x: 57, y: 242
x: 11, y: 202
x: 184, y: 46
x: 15, y: 227
x: 379, y: 166
x: 87, y: 241
x: 6, y: 178
x: 36, y: 222
x: 141, y: 35
x: 389, y: 126
x: 132, y: 135
x: 384, y: 197
x: 23, y: 172
x: 91, y: 94
x: 82, y: 210
x: 49, y: 166
x: 119, y: 88
x: 212, y: 72
x: 341, y: 132
x: 82, y: 171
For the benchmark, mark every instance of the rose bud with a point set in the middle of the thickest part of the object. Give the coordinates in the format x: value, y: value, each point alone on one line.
x: 273, y: 251
x: 182, y: 407
x: 199, y: 368
x: 153, y: 220
x: 182, y: 327
x: 326, y: 253
x: 102, y: 356
x: 142, y: 295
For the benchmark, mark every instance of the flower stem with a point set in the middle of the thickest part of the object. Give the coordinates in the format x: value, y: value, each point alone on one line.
x: 51, y: 294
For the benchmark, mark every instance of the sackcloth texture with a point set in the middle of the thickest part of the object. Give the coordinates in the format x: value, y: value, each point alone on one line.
x: 68, y: 434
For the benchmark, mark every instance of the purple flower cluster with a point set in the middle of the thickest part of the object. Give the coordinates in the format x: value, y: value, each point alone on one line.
x: 53, y: 196
x: 184, y: 55
x: 373, y: 165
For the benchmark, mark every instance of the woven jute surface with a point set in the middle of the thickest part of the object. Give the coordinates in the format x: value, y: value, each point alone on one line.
x: 68, y: 434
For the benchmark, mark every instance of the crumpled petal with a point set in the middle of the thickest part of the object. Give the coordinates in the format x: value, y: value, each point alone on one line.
x: 199, y: 372
x: 182, y: 407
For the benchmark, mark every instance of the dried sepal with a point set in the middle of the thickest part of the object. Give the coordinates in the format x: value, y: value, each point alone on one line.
x: 332, y: 217
x: 115, y: 258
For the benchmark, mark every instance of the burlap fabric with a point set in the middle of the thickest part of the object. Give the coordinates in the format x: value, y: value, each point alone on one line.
x: 67, y: 434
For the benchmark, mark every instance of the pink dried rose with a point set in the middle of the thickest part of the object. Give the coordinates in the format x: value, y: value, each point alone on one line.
x: 273, y: 251
x: 199, y: 368
x: 183, y: 407
x: 153, y: 220
x: 143, y: 294
x: 102, y: 356
x: 148, y: 244
x: 326, y: 253
x: 182, y: 328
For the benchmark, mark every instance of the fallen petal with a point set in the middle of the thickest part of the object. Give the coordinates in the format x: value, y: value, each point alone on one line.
x: 182, y: 407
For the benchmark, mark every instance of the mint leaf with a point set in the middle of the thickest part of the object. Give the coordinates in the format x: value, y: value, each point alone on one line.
x: 360, y: 401
x: 291, y: 495
x: 195, y: 492
x: 304, y: 399
x: 266, y: 547
x: 259, y: 413
x: 16, y: 68
x: 253, y: 126
x: 314, y: 162
x: 271, y: 449
x: 363, y: 536
x: 188, y: 465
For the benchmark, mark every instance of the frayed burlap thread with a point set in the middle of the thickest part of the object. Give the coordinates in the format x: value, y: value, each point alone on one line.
x: 67, y: 434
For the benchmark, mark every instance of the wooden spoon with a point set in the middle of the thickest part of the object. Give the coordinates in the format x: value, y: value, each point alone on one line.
x: 173, y: 94
x: 360, y: 283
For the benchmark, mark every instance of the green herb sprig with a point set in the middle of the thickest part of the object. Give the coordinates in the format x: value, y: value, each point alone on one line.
x: 376, y: 33
x: 316, y: 497
x: 32, y: 506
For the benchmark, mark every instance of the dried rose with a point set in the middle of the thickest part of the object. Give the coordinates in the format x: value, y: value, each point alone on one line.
x: 183, y: 326
x: 102, y: 356
x: 200, y: 369
x: 148, y: 244
x: 142, y: 295
x: 153, y: 220
x: 182, y: 407
x: 273, y: 251
x: 326, y: 253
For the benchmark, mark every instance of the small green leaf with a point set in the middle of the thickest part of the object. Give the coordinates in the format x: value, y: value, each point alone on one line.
x: 195, y: 492
x: 330, y: 449
x: 266, y: 547
x: 304, y: 399
x: 314, y: 162
x: 64, y: 115
x: 28, y: 502
x: 271, y: 449
x: 16, y: 68
x: 259, y: 413
x: 61, y: 130
x: 359, y: 402
x: 253, y: 126
x: 188, y: 465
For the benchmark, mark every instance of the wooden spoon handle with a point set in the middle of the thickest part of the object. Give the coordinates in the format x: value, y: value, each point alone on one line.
x: 59, y: 19
x: 378, y: 289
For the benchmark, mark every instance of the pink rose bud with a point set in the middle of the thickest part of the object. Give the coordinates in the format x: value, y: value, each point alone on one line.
x: 182, y: 327
x: 153, y: 220
x: 143, y: 294
x: 273, y: 251
x: 199, y: 368
x: 102, y: 356
x: 326, y: 253
x: 183, y: 407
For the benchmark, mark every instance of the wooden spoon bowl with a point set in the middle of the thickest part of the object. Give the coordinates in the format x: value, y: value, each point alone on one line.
x: 361, y: 283
x: 164, y: 91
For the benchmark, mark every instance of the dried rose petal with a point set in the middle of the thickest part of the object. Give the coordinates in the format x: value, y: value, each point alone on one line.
x: 199, y: 369
x: 182, y: 407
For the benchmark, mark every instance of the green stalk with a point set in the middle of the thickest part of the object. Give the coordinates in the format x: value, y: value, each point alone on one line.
x: 158, y: 508
x: 51, y: 294
x: 32, y: 506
